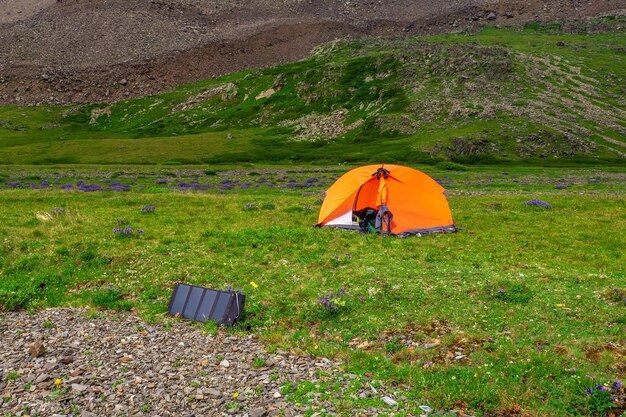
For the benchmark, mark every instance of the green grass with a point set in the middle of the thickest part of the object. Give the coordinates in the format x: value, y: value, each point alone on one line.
x: 531, y: 346
x: 542, y: 94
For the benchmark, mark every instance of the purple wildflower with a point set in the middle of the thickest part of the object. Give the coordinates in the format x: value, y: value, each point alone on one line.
x: 117, y: 186
x: 361, y: 298
x: 139, y: 231
x: 589, y: 391
x: 539, y: 347
x: 67, y: 187
x: 538, y: 203
x: 88, y: 188
x: 501, y: 290
x: 199, y: 187
x: 601, y: 387
x: 342, y: 291
x: 617, y: 385
x: 148, y: 209
x: 560, y: 186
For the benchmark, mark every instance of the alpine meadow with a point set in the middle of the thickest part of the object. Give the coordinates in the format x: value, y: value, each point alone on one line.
x: 106, y: 205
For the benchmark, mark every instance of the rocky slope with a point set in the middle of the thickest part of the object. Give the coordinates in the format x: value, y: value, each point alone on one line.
x: 106, y: 50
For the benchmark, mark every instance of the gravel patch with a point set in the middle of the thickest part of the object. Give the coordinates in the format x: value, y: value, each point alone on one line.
x: 72, y: 362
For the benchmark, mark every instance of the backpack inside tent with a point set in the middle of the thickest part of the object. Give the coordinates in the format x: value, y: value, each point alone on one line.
x: 387, y: 199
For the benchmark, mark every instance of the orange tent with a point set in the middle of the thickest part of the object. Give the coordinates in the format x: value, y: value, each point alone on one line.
x: 394, y: 199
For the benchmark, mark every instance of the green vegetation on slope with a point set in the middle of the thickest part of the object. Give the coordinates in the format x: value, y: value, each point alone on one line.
x: 535, y: 94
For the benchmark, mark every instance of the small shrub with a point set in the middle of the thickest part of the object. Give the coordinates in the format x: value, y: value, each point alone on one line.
x: 512, y: 292
x: 615, y: 295
x: 258, y: 362
x: 210, y: 328
x: 268, y: 206
x: 451, y: 166
x: 332, y: 302
x: 110, y: 299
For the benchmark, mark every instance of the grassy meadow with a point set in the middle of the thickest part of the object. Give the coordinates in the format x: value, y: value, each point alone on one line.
x: 218, y: 183
x: 520, y: 312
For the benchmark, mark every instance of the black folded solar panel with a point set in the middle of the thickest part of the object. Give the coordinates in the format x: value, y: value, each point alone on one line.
x: 203, y: 304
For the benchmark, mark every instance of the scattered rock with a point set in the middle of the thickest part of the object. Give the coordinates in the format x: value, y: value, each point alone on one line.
x: 41, y: 378
x: 492, y: 16
x: 171, y: 370
x: 66, y: 360
x: 211, y: 392
x: 257, y: 412
x: 390, y: 401
x: 79, y: 387
x: 37, y: 349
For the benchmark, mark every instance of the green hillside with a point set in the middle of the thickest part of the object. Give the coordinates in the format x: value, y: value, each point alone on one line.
x: 538, y: 94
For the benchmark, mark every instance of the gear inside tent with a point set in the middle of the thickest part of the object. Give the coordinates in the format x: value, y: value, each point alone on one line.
x: 388, y: 199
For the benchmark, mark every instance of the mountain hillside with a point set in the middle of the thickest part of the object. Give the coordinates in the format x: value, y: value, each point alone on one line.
x: 68, y: 51
x: 502, y: 95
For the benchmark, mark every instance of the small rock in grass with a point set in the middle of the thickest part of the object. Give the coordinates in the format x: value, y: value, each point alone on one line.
x: 390, y: 401
x: 277, y: 394
x: 224, y: 364
x: 426, y: 409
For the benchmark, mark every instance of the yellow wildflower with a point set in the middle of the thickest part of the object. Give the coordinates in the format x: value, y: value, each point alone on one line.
x: 254, y: 284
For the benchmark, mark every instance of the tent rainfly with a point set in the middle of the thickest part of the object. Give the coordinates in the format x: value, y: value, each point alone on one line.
x: 388, y: 199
